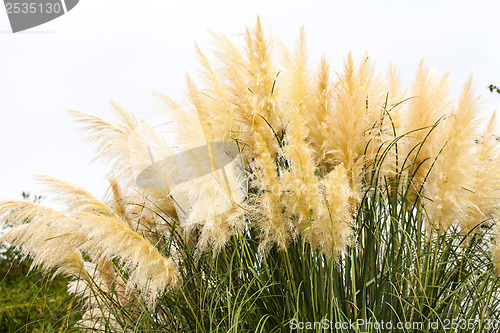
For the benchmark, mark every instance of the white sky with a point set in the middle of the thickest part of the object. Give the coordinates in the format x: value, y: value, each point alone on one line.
x: 124, y: 49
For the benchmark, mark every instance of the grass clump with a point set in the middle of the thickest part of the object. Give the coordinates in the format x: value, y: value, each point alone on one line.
x: 350, y: 204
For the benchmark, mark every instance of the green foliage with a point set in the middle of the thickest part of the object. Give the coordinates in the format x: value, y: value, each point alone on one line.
x: 493, y: 88
x: 32, y: 303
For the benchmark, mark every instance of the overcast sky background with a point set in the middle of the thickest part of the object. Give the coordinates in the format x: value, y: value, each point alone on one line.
x: 124, y: 49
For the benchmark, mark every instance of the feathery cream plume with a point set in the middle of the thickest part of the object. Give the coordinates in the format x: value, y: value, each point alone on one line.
x: 428, y: 105
x: 451, y: 179
x: 51, y: 238
x: 350, y: 123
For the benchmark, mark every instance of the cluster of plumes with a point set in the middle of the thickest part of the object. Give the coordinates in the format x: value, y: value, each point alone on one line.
x: 311, y: 140
x: 86, y: 241
x: 308, y: 140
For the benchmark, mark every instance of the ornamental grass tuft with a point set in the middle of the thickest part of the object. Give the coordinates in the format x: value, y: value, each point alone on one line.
x: 278, y: 195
